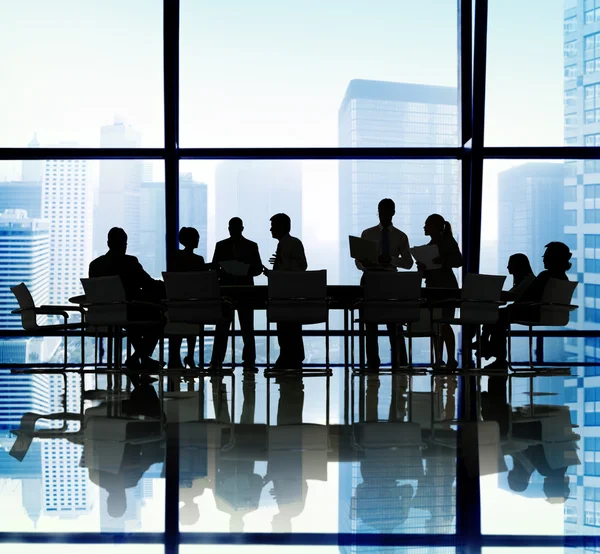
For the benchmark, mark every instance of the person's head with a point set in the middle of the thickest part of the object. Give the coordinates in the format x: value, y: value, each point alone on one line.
x: 436, y: 225
x: 236, y: 227
x: 189, y: 237
x: 117, y: 240
x: 281, y: 225
x: 189, y: 514
x: 386, y: 209
x: 519, y: 266
x: 556, y: 488
x: 116, y: 503
x: 557, y: 256
x: 518, y: 478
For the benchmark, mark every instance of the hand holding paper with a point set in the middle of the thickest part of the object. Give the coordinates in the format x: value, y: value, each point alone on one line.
x: 425, y: 255
x: 235, y: 268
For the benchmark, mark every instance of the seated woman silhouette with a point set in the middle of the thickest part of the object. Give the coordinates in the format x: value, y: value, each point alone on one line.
x: 182, y: 261
x: 520, y: 268
x: 556, y: 264
x: 449, y: 256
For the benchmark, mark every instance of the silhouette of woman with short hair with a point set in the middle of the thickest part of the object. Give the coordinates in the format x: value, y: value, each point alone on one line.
x: 440, y: 232
x: 183, y: 261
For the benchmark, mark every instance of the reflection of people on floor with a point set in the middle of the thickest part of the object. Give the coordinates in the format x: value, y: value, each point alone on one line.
x: 118, y: 463
x: 238, y: 486
x: 189, y: 491
x: 381, y: 468
x: 494, y: 405
x: 285, y: 468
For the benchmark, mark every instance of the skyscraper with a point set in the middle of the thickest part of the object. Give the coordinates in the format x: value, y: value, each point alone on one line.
x: 530, y: 211
x: 255, y: 190
x: 32, y: 170
x: 24, y: 258
x: 118, y: 196
x: 379, y: 113
x: 67, y: 207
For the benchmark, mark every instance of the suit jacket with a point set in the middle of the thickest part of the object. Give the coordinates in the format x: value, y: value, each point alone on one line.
x: 244, y: 251
x: 128, y: 268
x: 182, y: 261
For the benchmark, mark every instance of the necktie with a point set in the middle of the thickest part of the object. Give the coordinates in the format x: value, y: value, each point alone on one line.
x: 385, y: 241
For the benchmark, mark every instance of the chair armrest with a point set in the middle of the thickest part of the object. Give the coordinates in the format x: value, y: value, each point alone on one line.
x: 457, y: 301
x: 43, y: 310
x: 64, y: 308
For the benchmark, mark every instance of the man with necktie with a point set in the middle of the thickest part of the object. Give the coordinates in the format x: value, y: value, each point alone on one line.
x: 394, y: 253
x: 237, y: 248
x: 288, y: 257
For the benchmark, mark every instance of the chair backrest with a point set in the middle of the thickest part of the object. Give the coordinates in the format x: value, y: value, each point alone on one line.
x: 557, y: 292
x: 298, y: 296
x: 298, y: 284
x: 105, y: 301
x: 391, y: 285
x: 183, y: 285
x: 193, y: 297
x: 482, y: 292
x: 392, y: 297
x: 25, y: 300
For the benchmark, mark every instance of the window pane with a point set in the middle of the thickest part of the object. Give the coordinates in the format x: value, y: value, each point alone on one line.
x: 311, y: 73
x: 54, y: 219
x: 527, y: 73
x: 73, y: 65
x: 326, y: 200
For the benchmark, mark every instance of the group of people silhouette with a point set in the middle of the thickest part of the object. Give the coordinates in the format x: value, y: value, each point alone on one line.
x: 393, y: 254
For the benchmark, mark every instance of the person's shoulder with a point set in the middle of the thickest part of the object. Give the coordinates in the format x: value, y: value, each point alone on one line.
x: 369, y: 230
x: 222, y: 242
x: 295, y: 240
x: 249, y: 242
x: 399, y: 232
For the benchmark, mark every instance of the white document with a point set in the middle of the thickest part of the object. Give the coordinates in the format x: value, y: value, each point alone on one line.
x: 363, y: 250
x: 235, y: 268
x: 425, y: 255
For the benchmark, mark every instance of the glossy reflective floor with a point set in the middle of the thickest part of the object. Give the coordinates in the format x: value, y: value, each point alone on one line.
x: 403, y: 460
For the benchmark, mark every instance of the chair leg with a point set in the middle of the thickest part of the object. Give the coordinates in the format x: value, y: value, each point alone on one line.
x: 268, y: 338
x: 352, y: 341
x: 531, y: 347
x: 233, y: 341
x: 327, y: 344
x: 201, y: 346
x: 479, y: 363
x: 161, y: 349
x: 410, y: 345
x: 361, y: 345
x: 509, y: 346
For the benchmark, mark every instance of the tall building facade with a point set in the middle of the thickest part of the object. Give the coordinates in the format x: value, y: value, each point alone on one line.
x: 22, y: 195
x: 380, y: 113
x: 530, y: 211
x: 67, y: 207
x: 255, y: 190
x: 582, y: 229
x: 118, y: 197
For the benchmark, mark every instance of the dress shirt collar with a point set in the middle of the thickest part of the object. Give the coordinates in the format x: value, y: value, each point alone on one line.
x: 390, y: 226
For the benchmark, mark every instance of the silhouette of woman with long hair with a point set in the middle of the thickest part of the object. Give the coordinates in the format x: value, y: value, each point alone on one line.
x: 440, y: 232
x: 183, y: 261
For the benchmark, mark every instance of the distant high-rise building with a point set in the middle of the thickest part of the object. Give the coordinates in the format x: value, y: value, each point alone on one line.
x: 67, y: 207
x: 256, y: 190
x: 530, y: 211
x: 378, y: 113
x: 118, y: 197
x: 192, y: 213
x: 20, y: 195
x: 24, y: 258
x: 32, y: 170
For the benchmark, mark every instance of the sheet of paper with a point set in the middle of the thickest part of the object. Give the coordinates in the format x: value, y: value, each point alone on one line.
x: 235, y: 268
x: 425, y: 255
x: 363, y: 250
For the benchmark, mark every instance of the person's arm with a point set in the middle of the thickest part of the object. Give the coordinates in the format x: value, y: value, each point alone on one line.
x: 402, y: 258
x: 142, y: 278
x: 256, y: 266
x: 534, y: 292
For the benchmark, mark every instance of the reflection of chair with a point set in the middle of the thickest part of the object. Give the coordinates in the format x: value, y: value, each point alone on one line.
x: 479, y: 304
x: 193, y: 301
x: 554, y: 310
x: 29, y: 312
x: 298, y: 297
x: 390, y: 298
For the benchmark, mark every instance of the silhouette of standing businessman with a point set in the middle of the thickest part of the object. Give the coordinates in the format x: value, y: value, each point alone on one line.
x: 394, y: 253
x: 237, y: 248
x: 288, y: 257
